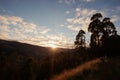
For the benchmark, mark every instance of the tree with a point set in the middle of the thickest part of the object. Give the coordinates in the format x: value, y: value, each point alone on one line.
x: 80, y: 40
x: 95, y: 28
x: 103, y: 35
x: 109, y: 28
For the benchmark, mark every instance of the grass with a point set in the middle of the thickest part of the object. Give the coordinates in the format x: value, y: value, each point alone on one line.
x: 109, y: 70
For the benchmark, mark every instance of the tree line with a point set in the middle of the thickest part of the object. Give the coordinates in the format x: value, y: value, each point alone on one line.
x: 100, y: 29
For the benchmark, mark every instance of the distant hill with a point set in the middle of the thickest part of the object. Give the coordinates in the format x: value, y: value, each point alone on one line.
x: 25, y: 49
x: 21, y: 61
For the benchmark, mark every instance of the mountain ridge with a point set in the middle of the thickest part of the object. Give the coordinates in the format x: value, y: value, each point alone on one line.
x: 8, y: 46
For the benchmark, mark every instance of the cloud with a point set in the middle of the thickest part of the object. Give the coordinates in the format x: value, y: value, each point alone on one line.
x: 17, y: 22
x: 67, y: 12
x: 16, y: 28
x: 45, y: 31
x: 67, y: 1
x: 84, y: 12
x: 4, y: 11
x: 81, y: 19
x: 46, y: 40
x: 62, y: 25
x: 118, y: 8
x: 27, y: 27
x: 74, y: 28
x: 7, y: 20
x: 88, y: 0
x: 4, y: 30
x: 115, y: 18
x: 118, y: 30
x: 59, y: 40
x: 4, y: 35
x: 18, y: 34
x: 74, y: 1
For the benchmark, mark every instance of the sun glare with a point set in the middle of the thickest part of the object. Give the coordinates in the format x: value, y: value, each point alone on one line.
x: 53, y: 46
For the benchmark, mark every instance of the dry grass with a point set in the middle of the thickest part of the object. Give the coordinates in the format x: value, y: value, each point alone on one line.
x: 66, y: 74
x: 98, y: 69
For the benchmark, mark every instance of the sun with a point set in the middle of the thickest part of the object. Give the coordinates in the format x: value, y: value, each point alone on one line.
x: 53, y: 46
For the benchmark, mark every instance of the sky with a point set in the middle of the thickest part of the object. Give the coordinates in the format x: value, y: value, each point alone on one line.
x: 52, y: 22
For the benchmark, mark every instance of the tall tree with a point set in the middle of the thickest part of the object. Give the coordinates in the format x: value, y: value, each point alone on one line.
x: 109, y: 28
x: 80, y: 39
x: 95, y: 28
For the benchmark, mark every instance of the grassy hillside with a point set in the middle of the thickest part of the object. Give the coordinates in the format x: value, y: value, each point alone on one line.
x: 21, y: 61
x: 34, y: 51
x: 98, y: 69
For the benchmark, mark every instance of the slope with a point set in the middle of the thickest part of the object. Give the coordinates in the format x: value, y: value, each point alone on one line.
x: 97, y: 69
x: 38, y: 52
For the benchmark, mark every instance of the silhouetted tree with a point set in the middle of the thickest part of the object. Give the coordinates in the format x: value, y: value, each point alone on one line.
x: 80, y: 40
x: 95, y: 29
x: 103, y: 35
x: 111, y: 45
x: 109, y: 28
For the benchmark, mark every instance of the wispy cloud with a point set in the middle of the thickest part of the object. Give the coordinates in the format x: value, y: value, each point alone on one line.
x: 74, y: 28
x: 44, y: 31
x: 4, y: 32
x: 74, y: 1
x: 81, y: 19
x: 4, y: 11
x: 115, y: 18
x: 67, y: 1
x: 88, y: 0
x: 118, y: 30
x: 118, y: 8
x: 67, y: 12
x: 16, y: 28
x: 7, y: 20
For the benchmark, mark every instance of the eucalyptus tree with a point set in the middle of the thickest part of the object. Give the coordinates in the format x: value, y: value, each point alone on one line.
x: 80, y: 40
x: 109, y: 27
x: 95, y: 27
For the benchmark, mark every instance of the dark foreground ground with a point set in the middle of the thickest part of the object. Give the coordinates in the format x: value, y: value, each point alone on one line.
x: 20, y: 61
